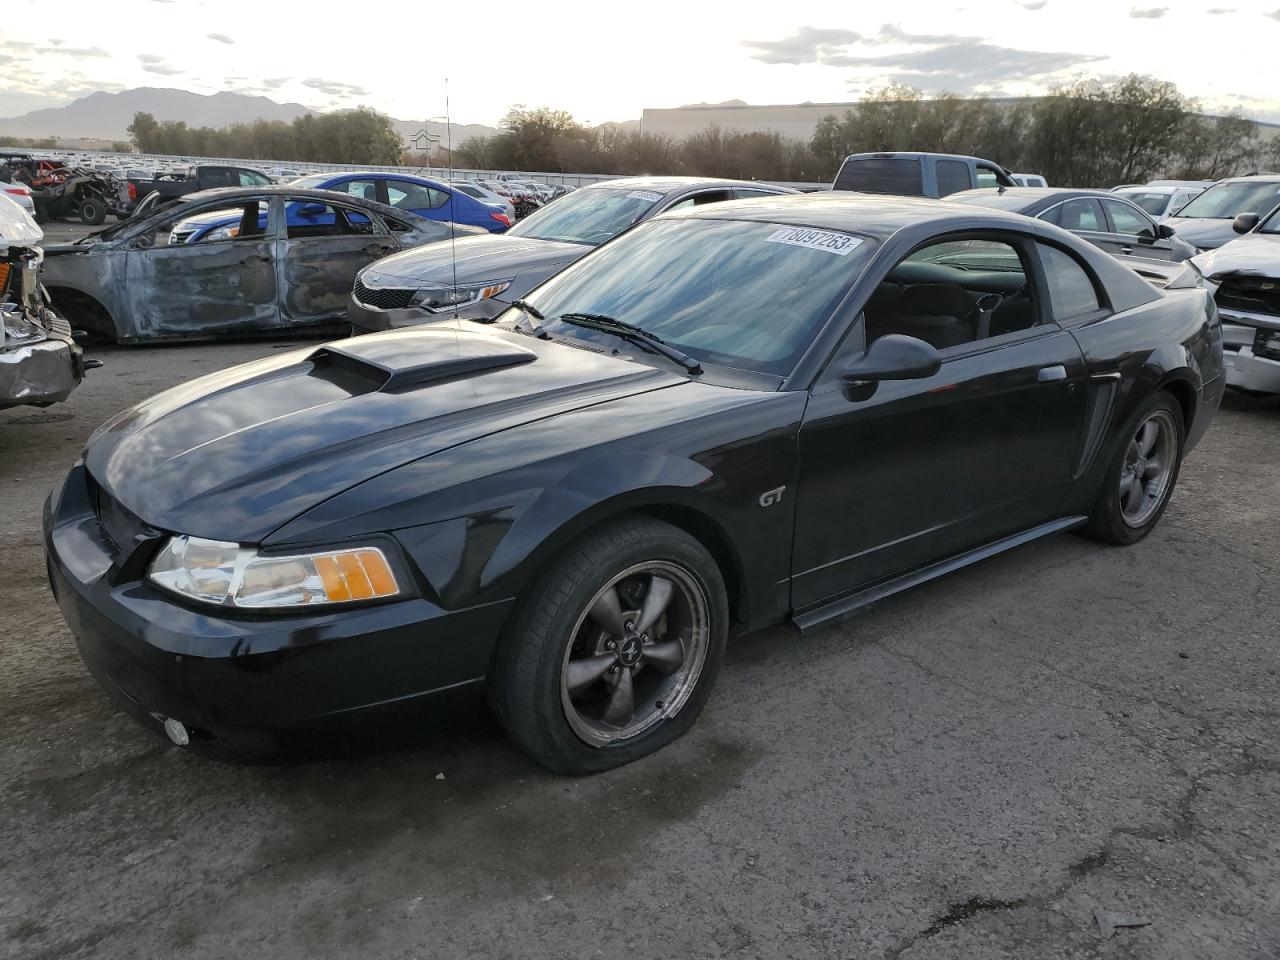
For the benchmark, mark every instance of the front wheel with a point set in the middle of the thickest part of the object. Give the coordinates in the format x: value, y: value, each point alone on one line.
x: 92, y: 211
x: 1141, y: 478
x: 614, y: 652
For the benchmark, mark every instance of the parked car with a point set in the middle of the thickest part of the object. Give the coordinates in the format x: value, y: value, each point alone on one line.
x: 208, y: 176
x: 1161, y: 200
x: 20, y: 194
x: 727, y: 416
x: 1247, y: 271
x: 137, y: 281
x: 1206, y: 221
x: 479, y: 276
x: 40, y: 362
x: 1028, y: 179
x: 1104, y: 219
x: 476, y: 190
x: 918, y: 174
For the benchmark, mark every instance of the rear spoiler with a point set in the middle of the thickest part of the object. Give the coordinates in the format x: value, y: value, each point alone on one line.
x: 1165, y: 275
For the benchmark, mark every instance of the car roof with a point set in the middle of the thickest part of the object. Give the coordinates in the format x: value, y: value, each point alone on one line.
x: 668, y: 184
x: 871, y: 214
x: 1020, y: 199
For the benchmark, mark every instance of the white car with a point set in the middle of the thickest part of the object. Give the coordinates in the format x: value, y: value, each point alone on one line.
x: 1161, y: 199
x: 20, y: 194
x: 474, y: 188
x: 1029, y: 180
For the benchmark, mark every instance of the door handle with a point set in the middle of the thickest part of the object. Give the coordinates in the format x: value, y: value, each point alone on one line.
x: 1126, y: 250
x: 256, y: 258
x: 1050, y: 374
x: 378, y: 248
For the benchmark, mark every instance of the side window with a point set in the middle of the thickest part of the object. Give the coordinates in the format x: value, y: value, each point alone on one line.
x: 953, y: 293
x: 1126, y: 220
x: 699, y: 199
x: 743, y: 193
x: 987, y: 176
x: 219, y: 177
x: 241, y: 221
x: 250, y: 178
x: 953, y: 176
x: 364, y: 189
x: 1071, y: 292
x: 414, y: 196
x: 311, y: 218
x: 1081, y: 214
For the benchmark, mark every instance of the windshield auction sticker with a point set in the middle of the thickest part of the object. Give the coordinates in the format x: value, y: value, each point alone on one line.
x: 644, y: 195
x: 824, y: 240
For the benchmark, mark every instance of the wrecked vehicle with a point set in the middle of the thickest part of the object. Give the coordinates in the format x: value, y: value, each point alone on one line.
x: 40, y: 363
x: 1247, y: 271
x: 263, y: 271
x: 771, y: 411
x: 59, y: 191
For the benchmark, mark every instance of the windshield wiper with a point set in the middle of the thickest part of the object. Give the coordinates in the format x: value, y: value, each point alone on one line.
x: 632, y: 334
x: 531, y: 323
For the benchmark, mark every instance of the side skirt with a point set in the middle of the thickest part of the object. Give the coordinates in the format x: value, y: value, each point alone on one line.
x: 818, y: 616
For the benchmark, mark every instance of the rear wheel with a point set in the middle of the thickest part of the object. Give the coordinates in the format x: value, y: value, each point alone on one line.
x: 615, y: 650
x: 92, y: 211
x: 1141, y: 478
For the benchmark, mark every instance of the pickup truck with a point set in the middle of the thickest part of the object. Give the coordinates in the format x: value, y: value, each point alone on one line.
x: 918, y: 174
x: 203, y: 177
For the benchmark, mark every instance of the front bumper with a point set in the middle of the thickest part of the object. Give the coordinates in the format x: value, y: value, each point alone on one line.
x: 41, y: 372
x: 256, y: 685
x: 366, y: 319
x: 1251, y: 352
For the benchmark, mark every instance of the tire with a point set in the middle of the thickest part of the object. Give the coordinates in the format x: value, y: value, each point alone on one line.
x: 92, y: 211
x: 1121, y: 517
x: 556, y: 679
x: 42, y: 214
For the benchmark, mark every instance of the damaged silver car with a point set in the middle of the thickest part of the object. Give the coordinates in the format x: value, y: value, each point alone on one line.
x: 1247, y: 271
x: 39, y: 361
x: 285, y: 259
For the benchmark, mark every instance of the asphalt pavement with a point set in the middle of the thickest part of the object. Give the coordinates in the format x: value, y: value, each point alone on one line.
x: 979, y: 769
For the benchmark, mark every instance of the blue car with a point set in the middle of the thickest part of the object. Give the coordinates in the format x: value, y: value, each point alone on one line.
x: 427, y: 198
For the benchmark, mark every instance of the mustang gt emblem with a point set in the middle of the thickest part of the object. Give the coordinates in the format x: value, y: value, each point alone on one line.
x: 770, y: 497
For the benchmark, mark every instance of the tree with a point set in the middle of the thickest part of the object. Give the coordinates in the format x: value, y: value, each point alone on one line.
x: 1210, y: 148
x: 532, y: 139
x: 473, y: 152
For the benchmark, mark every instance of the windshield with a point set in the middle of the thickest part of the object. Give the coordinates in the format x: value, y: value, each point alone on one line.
x: 738, y: 293
x: 1226, y: 201
x: 587, y: 216
x: 1152, y: 203
x: 313, y: 181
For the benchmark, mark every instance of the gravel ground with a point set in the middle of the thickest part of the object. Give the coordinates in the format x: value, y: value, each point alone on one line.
x: 969, y: 770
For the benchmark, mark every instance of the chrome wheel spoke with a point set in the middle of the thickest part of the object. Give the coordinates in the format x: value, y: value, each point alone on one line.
x: 665, y: 657
x: 1153, y: 468
x: 655, y: 602
x: 622, y: 702
x: 586, y: 671
x: 607, y: 611
x: 1130, y: 489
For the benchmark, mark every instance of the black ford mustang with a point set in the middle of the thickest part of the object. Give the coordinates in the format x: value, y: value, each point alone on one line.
x: 760, y: 411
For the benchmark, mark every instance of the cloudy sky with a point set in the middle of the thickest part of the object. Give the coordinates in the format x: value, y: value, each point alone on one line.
x: 606, y: 65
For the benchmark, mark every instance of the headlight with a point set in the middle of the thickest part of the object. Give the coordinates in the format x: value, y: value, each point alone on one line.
x: 221, y: 233
x: 443, y: 297
x: 17, y: 329
x: 215, y: 571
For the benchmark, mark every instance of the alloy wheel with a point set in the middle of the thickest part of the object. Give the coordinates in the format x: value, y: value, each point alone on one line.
x: 1148, y: 468
x: 636, y: 652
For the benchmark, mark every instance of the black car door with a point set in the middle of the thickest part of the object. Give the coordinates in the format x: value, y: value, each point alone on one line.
x: 1133, y: 232
x: 923, y: 469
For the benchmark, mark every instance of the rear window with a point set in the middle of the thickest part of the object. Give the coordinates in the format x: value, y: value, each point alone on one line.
x: 891, y: 175
x: 1152, y: 203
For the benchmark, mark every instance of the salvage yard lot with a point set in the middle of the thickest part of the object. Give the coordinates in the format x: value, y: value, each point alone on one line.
x: 968, y: 770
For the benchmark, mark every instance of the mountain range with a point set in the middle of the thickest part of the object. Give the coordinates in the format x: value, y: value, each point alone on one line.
x: 106, y: 116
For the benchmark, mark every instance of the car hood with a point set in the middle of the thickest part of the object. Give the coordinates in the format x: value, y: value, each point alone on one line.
x: 1203, y: 232
x: 1253, y: 255
x: 235, y: 455
x: 493, y: 256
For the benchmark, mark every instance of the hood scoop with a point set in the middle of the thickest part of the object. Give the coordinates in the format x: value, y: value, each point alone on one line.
x: 388, y: 362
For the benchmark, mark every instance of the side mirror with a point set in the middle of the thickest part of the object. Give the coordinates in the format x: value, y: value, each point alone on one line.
x: 1164, y: 231
x: 893, y: 357
x: 1245, y: 222
x: 312, y: 210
